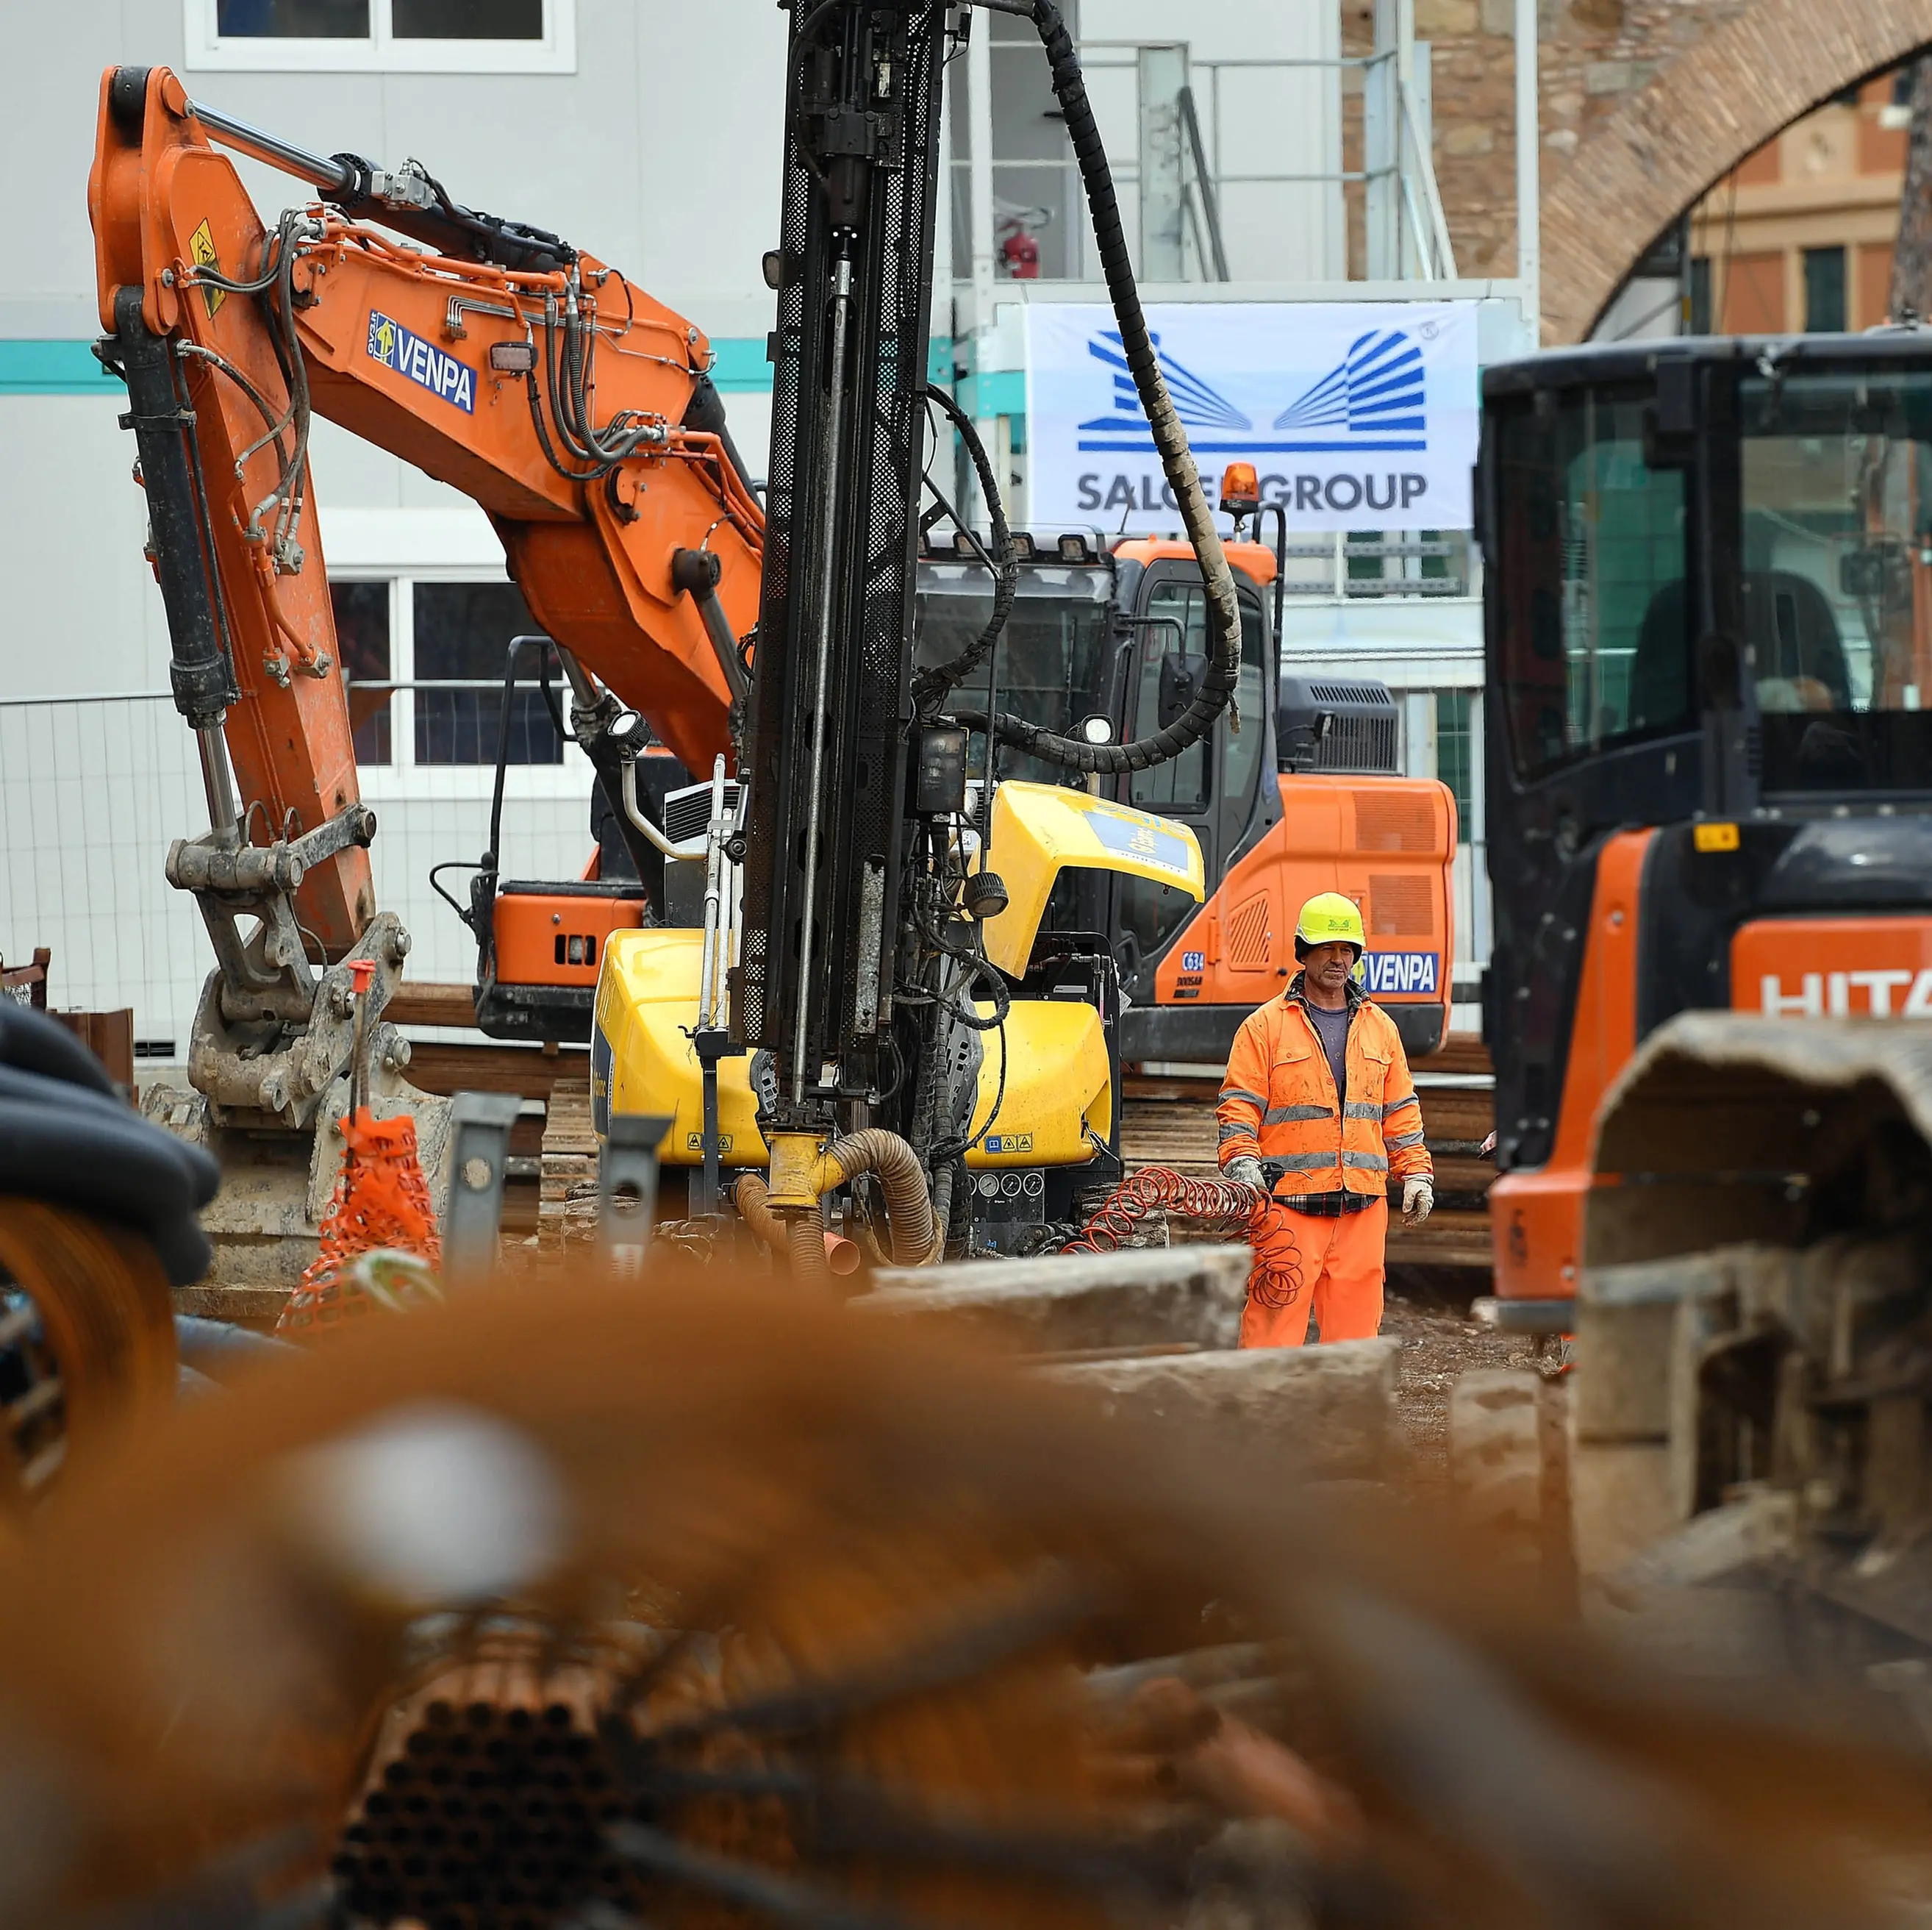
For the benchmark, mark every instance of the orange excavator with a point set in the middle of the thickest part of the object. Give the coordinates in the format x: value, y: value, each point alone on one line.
x: 574, y: 409
x: 881, y: 972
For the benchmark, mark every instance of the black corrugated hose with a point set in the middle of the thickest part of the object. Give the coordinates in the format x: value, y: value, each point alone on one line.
x: 67, y: 1138
x: 1224, y: 611
x: 928, y: 683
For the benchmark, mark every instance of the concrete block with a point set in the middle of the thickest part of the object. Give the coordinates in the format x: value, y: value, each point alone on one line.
x: 1623, y: 1371
x: 1326, y: 1413
x: 1608, y: 76
x: 1075, y: 1302
x: 1496, y: 1445
x: 1620, y: 1503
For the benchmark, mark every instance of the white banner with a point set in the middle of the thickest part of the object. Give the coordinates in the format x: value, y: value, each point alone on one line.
x: 1356, y: 416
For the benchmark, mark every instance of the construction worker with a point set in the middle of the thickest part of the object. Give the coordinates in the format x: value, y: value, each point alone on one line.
x: 1319, y: 1088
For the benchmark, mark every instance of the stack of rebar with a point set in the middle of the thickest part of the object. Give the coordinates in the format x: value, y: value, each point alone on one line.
x: 489, y: 1794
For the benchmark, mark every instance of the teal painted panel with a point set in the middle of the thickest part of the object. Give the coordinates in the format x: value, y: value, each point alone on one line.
x: 1000, y: 392
x: 54, y: 368
x: 69, y: 368
x: 740, y: 363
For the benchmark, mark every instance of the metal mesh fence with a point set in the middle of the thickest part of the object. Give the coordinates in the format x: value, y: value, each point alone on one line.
x: 93, y: 790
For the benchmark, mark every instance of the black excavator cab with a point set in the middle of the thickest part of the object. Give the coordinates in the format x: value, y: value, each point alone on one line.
x: 1708, y: 611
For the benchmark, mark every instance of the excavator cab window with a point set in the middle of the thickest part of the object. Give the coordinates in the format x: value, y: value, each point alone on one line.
x: 1595, y: 631
x: 1836, y: 469
x: 1050, y: 663
x: 1211, y: 787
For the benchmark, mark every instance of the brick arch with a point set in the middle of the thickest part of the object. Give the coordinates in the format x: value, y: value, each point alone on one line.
x: 1665, y: 145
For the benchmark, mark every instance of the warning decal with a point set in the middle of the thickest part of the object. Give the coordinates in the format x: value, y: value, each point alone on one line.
x: 201, y: 245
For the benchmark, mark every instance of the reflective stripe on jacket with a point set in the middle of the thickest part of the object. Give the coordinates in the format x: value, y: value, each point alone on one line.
x: 1279, y: 1102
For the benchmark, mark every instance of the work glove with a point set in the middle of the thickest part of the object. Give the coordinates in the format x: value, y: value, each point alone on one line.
x: 1418, y: 1201
x: 1246, y: 1171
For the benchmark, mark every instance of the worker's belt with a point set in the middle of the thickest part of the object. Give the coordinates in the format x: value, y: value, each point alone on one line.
x: 1327, y: 1205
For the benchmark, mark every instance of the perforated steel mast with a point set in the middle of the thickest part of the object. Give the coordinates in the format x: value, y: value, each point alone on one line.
x: 826, y: 726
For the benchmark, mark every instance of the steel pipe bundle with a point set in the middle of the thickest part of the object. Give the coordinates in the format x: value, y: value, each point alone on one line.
x: 488, y: 1795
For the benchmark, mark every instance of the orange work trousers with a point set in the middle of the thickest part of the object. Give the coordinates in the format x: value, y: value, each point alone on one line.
x: 1341, y: 1282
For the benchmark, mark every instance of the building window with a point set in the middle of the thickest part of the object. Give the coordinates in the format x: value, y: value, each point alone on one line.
x: 1453, y: 751
x: 1700, y: 295
x: 1825, y: 291
x: 383, y: 36
x: 423, y: 663
x: 462, y: 633
x: 362, y: 648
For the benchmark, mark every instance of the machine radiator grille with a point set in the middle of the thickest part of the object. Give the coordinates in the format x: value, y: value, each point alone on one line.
x: 1359, y: 744
x: 1248, y: 934
x: 1399, y: 906
x: 1393, y: 821
x: 687, y: 812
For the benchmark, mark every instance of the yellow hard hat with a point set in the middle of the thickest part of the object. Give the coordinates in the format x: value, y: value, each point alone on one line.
x: 1329, y: 918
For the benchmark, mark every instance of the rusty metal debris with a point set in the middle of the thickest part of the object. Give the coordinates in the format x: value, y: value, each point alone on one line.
x: 908, y: 1614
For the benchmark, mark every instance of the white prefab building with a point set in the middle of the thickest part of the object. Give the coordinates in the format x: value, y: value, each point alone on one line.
x: 649, y: 132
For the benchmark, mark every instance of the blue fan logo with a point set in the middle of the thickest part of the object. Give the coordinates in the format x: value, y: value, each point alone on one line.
x: 1372, y: 399
x: 1200, y: 406
x: 1375, y: 391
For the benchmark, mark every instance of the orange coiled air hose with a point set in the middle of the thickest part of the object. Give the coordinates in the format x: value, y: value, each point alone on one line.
x: 1275, y: 1279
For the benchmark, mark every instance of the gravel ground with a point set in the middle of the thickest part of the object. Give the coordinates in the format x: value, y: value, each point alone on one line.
x: 1427, y: 1309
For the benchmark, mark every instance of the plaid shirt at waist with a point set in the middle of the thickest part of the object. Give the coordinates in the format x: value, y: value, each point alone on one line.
x: 1327, y: 1205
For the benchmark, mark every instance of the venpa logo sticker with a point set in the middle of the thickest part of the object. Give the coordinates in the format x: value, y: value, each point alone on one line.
x: 1828, y: 994
x: 397, y: 347
x: 1398, y: 971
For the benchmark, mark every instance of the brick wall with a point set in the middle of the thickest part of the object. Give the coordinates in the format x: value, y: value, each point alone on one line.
x: 1593, y: 54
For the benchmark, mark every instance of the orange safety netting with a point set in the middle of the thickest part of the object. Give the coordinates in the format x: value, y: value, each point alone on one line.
x: 1275, y: 1278
x: 382, y: 1205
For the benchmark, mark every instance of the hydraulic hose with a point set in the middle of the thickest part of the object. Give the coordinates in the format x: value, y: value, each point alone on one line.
x: 1170, y: 438
x: 909, y: 1215
x: 929, y: 683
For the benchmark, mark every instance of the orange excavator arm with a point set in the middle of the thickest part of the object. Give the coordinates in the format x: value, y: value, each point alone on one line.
x: 574, y: 410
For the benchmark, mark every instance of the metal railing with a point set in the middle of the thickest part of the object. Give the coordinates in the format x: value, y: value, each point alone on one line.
x: 1351, y: 568
x: 1404, y: 231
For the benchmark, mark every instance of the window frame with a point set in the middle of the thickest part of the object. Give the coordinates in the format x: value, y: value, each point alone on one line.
x: 1833, y: 255
x: 209, y: 49
x: 403, y: 780
x: 1527, y: 772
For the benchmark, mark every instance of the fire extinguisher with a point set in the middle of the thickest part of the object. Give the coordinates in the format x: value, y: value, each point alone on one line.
x: 1021, y: 253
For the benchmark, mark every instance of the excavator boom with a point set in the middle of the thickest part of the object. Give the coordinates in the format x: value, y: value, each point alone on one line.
x: 572, y: 407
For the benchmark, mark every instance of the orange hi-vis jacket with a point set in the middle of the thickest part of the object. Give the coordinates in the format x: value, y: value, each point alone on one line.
x: 1279, y: 1102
